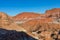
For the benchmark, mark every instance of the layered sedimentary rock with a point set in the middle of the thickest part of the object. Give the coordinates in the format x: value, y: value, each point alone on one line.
x: 40, y: 26
x: 49, y: 22
x: 5, y: 19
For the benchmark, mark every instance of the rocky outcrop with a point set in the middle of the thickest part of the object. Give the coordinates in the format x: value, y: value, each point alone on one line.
x: 53, y: 13
x: 5, y: 19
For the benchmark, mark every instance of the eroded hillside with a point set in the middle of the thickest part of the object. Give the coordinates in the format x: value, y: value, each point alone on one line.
x: 40, y: 26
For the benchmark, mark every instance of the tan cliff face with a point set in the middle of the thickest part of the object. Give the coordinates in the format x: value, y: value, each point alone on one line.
x: 34, y: 24
x: 3, y: 16
x: 4, y: 19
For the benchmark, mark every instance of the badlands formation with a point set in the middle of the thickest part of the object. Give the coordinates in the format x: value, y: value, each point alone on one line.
x: 39, y: 26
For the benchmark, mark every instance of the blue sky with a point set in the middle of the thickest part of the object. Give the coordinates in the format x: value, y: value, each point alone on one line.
x: 13, y: 7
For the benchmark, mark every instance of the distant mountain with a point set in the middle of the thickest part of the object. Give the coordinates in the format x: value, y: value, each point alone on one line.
x: 25, y: 16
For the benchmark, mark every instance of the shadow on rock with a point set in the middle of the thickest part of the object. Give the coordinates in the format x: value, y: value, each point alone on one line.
x: 14, y: 35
